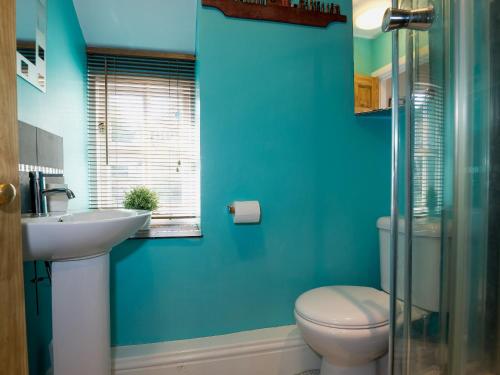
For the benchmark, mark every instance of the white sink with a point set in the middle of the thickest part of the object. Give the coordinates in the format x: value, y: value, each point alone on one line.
x: 78, y: 245
x: 78, y: 235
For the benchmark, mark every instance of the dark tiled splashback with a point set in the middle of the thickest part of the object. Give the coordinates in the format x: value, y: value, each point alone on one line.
x: 38, y: 147
x: 27, y: 144
x: 38, y: 150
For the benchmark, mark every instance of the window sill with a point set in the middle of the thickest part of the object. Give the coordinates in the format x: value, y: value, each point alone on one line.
x: 168, y: 231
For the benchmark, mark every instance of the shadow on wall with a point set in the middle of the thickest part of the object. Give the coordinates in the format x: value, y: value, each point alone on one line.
x: 249, y: 241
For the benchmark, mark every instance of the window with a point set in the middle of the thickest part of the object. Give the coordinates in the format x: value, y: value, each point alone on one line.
x: 144, y: 130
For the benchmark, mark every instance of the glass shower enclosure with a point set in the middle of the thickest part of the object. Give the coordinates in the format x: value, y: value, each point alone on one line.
x: 445, y: 252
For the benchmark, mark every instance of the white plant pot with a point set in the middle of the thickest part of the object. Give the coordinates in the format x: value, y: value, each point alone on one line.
x: 147, y: 223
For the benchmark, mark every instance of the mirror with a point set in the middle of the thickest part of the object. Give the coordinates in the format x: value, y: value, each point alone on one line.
x: 31, y: 25
x: 372, y: 57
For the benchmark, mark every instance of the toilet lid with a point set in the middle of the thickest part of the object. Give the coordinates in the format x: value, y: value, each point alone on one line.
x: 348, y: 307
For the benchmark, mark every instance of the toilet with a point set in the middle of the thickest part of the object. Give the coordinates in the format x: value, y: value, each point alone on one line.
x: 349, y: 325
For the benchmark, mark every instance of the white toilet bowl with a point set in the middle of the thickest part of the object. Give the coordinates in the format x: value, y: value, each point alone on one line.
x: 347, y: 325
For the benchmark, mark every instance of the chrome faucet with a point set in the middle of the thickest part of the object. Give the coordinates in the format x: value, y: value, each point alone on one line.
x: 38, y: 193
x: 68, y: 192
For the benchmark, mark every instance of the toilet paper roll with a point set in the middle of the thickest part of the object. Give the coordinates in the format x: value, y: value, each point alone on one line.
x: 246, y: 212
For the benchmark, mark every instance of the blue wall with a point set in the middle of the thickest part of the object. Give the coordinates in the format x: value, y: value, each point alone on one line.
x: 277, y: 125
x: 373, y: 54
x: 363, y: 56
x: 61, y: 110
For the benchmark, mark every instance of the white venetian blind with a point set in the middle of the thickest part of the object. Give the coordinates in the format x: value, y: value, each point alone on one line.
x: 143, y: 131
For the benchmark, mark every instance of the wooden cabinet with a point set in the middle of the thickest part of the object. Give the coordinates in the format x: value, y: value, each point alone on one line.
x: 366, y: 93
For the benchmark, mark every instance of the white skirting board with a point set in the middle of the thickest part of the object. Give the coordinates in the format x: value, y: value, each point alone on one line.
x: 269, y: 351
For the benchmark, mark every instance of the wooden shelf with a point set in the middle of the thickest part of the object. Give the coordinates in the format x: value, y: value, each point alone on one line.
x: 382, y: 112
x: 274, y: 11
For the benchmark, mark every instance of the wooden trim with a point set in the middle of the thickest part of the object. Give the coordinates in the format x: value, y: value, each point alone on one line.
x: 139, y: 53
x: 23, y: 44
x: 314, y: 14
x: 13, y: 352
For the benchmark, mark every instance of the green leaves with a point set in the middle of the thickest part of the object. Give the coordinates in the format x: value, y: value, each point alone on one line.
x: 141, y: 198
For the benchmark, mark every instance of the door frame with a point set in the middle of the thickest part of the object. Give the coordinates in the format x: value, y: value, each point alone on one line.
x: 13, y: 347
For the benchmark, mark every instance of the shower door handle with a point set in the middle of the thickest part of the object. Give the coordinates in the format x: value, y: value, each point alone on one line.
x: 412, y: 19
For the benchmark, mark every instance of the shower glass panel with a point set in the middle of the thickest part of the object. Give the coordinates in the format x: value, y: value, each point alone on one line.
x: 421, y: 191
x: 447, y: 277
x: 474, y: 277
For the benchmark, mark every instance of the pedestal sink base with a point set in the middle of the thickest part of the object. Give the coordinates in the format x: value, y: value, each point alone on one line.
x: 78, y: 245
x: 80, y: 316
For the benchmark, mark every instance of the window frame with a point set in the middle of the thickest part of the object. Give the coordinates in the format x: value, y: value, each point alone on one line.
x: 162, y: 226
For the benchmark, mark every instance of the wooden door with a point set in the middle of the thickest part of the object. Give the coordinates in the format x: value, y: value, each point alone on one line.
x: 366, y: 93
x: 13, y: 356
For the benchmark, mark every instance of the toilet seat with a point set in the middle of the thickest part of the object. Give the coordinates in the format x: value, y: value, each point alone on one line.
x: 344, y: 307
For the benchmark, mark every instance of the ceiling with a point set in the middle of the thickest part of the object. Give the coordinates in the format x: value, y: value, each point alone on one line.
x: 360, y: 6
x: 159, y: 25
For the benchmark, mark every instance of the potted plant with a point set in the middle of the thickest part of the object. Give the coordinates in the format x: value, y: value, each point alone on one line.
x: 141, y: 198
